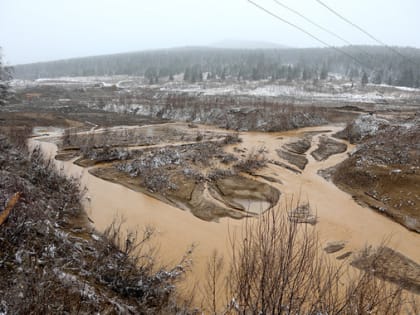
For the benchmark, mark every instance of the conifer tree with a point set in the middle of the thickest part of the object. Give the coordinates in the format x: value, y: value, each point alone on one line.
x: 365, y: 79
x: 5, y: 76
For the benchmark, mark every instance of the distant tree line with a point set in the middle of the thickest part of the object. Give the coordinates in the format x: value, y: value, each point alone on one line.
x: 5, y: 76
x: 376, y: 65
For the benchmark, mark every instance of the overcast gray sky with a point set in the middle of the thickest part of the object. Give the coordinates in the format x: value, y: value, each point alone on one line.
x: 43, y: 30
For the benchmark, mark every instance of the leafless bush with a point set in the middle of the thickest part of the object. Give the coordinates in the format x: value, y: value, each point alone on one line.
x: 232, y: 138
x: 278, y: 268
x: 17, y: 135
x: 48, y: 268
x: 254, y: 161
x: 128, y: 264
x: 213, y: 283
x: 66, y: 141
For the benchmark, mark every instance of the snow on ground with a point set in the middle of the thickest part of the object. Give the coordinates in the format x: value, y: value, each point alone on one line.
x: 336, y: 90
x: 401, y: 88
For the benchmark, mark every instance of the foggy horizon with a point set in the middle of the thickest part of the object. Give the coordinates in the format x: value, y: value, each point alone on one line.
x: 47, y: 30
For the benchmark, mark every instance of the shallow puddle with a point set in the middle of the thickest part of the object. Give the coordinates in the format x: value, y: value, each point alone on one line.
x: 256, y: 207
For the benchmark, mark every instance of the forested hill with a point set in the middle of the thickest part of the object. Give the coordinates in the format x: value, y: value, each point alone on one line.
x: 381, y: 64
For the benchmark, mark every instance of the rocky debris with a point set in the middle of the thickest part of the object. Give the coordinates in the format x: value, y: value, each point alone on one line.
x: 328, y: 147
x: 365, y: 125
x: 335, y: 246
x: 302, y: 214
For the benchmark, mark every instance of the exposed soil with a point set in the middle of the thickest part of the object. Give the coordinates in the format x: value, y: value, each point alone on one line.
x: 385, y: 175
x: 198, y: 169
x: 177, y: 164
x: 333, y: 247
x: 328, y: 147
x: 334, y: 222
x: 390, y: 265
x: 208, y: 198
x: 294, y: 151
x: 207, y: 202
x: 299, y: 147
x: 296, y: 159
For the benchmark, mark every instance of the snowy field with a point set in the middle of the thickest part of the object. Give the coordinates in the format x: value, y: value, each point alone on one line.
x: 329, y: 91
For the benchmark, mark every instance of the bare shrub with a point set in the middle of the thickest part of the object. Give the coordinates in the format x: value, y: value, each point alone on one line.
x: 128, y: 264
x: 278, y: 268
x: 213, y: 282
x: 51, y: 263
x: 255, y: 160
x: 17, y: 135
x: 232, y: 138
x: 67, y: 137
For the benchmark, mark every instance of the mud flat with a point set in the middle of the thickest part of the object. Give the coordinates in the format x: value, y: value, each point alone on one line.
x: 231, y: 196
x: 328, y: 147
x: 296, y: 159
x: 180, y: 164
x: 339, y: 217
x: 391, y: 266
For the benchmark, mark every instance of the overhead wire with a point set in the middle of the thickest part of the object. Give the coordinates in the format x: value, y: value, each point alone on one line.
x: 365, y: 32
x: 308, y: 33
x: 321, y: 27
x: 312, y: 22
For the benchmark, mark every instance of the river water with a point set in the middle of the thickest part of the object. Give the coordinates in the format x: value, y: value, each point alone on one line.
x: 340, y: 218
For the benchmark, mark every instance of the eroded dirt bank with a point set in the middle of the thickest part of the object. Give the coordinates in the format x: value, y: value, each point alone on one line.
x: 339, y: 217
x: 384, y: 171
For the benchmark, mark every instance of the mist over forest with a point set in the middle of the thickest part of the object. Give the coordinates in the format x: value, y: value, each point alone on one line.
x: 382, y: 65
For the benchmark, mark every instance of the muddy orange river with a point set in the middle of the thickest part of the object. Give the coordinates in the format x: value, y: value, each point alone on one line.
x: 340, y: 217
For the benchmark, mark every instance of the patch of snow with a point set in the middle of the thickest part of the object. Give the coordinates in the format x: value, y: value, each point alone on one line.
x: 396, y: 171
x: 51, y: 250
x: 18, y: 256
x: 408, y: 89
x: 3, y: 308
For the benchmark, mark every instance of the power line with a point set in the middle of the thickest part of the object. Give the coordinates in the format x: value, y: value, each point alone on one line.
x: 319, y: 26
x: 312, y: 22
x: 308, y: 33
x: 365, y: 32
